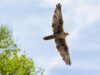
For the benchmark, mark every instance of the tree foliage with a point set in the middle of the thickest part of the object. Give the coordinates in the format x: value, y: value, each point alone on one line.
x: 10, y: 62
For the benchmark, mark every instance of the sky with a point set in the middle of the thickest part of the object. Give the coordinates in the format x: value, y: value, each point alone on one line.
x: 31, y: 20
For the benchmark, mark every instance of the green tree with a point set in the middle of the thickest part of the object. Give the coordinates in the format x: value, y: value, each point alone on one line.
x: 10, y: 62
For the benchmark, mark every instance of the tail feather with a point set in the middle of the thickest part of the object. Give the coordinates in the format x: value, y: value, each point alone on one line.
x: 49, y: 37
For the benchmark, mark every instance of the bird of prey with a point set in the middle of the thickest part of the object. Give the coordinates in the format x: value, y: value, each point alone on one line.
x: 59, y: 35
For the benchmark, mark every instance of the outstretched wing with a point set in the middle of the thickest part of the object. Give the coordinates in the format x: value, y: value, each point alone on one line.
x: 57, y: 23
x: 63, y: 49
x: 57, y: 26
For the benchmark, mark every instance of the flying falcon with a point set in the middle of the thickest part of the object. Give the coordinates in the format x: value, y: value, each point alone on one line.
x: 59, y: 35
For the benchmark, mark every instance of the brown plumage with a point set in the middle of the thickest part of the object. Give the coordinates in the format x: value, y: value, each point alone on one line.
x: 59, y: 35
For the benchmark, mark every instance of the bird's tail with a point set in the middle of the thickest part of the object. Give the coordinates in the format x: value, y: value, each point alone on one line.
x: 49, y: 37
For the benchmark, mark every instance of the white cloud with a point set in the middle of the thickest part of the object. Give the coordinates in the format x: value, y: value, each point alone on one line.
x: 15, y: 1
x: 59, y: 64
x: 85, y: 65
x: 82, y: 16
x: 81, y: 65
x: 49, y: 63
x: 52, y: 3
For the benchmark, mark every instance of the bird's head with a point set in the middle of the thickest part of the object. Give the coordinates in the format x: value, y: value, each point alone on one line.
x: 66, y: 33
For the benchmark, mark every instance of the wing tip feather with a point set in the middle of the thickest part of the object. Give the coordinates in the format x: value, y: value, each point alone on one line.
x: 58, y: 6
x: 67, y: 59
